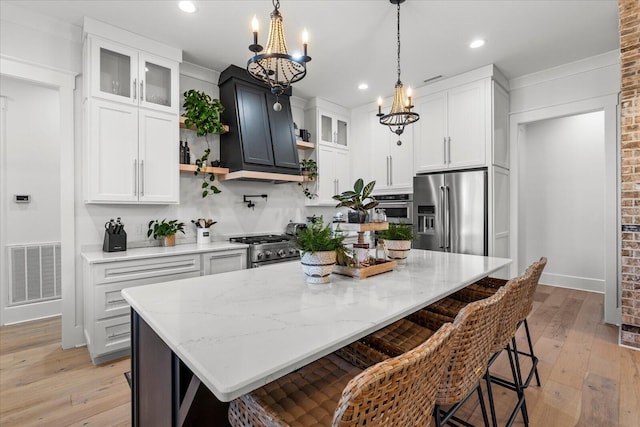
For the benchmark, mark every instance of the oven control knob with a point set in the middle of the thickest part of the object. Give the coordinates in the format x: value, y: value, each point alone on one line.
x: 268, y: 254
x: 260, y: 255
x: 292, y: 251
x: 281, y: 253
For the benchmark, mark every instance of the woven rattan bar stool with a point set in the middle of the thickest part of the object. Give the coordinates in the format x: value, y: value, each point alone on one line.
x: 488, y: 286
x: 476, y: 329
x: 397, y: 391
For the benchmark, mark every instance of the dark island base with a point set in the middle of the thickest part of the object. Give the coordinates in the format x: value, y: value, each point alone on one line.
x: 164, y: 391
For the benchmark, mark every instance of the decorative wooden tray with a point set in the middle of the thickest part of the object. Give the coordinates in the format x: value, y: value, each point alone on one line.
x: 364, y: 272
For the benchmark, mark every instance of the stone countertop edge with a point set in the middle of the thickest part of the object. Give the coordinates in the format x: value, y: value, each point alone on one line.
x: 96, y: 257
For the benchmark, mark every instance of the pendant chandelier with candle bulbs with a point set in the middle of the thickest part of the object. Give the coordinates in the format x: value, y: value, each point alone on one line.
x: 275, y: 66
x: 400, y: 114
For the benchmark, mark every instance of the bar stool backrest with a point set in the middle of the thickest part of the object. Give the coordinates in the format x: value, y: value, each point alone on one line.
x: 516, y: 293
x: 476, y: 329
x: 399, y: 391
x: 535, y: 271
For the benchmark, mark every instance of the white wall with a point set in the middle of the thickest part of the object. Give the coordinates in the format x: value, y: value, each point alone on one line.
x: 31, y: 162
x: 561, y: 214
x: 592, y: 84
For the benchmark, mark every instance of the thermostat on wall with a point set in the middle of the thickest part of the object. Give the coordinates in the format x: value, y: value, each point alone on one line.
x: 21, y: 198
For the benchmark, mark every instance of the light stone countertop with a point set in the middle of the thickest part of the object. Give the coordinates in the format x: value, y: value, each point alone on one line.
x: 95, y: 257
x: 240, y: 330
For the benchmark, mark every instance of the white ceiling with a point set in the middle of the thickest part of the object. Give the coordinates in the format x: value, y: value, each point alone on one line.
x: 353, y: 41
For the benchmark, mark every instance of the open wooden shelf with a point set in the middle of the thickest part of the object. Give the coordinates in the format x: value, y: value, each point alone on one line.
x: 361, y: 228
x: 207, y: 169
x: 304, y: 145
x: 183, y: 126
x: 308, y: 179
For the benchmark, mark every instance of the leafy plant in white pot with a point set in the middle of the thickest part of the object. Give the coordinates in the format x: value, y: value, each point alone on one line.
x: 318, y: 246
x: 356, y: 200
x: 397, y: 240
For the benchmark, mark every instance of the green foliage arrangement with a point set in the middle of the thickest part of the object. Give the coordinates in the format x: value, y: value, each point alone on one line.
x: 397, y: 232
x: 203, y: 113
x: 317, y: 238
x: 309, y: 169
x: 356, y: 198
x: 160, y: 229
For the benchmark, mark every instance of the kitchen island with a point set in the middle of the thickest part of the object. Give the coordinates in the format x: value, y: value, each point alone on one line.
x: 203, y: 341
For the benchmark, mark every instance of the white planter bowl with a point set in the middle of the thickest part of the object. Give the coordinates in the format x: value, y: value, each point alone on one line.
x: 397, y: 249
x: 317, y: 266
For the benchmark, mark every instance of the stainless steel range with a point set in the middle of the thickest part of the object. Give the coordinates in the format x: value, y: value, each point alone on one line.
x: 269, y: 248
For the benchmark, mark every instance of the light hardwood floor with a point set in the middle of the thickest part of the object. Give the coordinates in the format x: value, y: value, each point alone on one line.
x: 587, y: 379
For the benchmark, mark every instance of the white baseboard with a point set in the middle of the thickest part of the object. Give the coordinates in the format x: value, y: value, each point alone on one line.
x: 29, y: 312
x: 573, y: 282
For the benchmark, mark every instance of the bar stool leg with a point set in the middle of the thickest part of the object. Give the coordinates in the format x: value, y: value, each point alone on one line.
x: 487, y: 379
x: 534, y: 359
x: 517, y: 377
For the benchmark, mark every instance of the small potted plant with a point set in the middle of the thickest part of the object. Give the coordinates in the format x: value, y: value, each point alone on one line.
x: 318, y: 246
x: 203, y: 114
x: 397, y: 240
x: 165, y: 230
x: 309, y: 169
x: 356, y: 199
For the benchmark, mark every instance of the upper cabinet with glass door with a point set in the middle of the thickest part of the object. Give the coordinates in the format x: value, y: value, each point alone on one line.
x: 122, y: 74
x: 334, y: 129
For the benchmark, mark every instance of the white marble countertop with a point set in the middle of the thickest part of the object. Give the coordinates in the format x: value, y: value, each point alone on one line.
x: 94, y: 257
x: 240, y: 330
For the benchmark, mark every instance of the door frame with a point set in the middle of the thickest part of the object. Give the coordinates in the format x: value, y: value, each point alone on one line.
x: 609, y: 104
x: 65, y: 82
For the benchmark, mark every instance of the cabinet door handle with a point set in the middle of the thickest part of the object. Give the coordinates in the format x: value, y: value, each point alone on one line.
x: 388, y: 157
x: 142, y: 177
x: 135, y: 177
x: 141, y: 90
x: 135, y: 88
x: 448, y: 149
x: 390, y: 170
x: 444, y: 149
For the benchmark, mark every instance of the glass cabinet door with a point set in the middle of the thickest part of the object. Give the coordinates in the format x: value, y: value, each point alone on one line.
x: 326, y: 129
x: 341, y: 132
x: 158, y: 83
x: 114, y: 70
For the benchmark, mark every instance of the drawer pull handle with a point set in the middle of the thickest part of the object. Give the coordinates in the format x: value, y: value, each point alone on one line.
x: 116, y: 301
x: 121, y: 334
x: 190, y: 265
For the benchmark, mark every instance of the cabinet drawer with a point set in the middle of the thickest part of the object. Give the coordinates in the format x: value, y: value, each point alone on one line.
x: 108, y: 301
x: 112, y: 335
x: 221, y: 262
x: 147, y: 268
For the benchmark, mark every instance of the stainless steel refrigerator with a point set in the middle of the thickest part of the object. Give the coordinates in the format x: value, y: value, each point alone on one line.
x: 450, y: 212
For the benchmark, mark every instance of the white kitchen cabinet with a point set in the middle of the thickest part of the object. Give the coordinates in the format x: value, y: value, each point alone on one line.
x: 127, y: 75
x: 333, y: 129
x: 333, y: 174
x: 131, y: 155
x: 391, y: 157
x: 107, y: 314
x: 130, y: 118
x: 223, y: 261
x: 452, y: 130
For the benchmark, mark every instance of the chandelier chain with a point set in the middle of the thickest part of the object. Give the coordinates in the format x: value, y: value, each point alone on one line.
x: 398, y: 42
x: 276, y: 4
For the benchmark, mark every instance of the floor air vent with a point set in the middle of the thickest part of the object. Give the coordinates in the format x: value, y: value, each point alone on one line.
x: 34, y: 273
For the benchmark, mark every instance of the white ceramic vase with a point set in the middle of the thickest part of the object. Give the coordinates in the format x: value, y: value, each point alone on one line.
x: 397, y: 249
x: 317, y: 266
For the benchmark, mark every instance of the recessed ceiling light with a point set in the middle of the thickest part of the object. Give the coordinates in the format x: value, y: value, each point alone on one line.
x: 363, y: 86
x: 476, y: 44
x: 187, y: 6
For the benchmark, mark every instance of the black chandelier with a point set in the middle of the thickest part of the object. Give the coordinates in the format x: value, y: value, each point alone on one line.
x: 276, y: 67
x: 400, y: 114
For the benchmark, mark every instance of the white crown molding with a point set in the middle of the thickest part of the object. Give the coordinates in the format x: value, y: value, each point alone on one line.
x: 572, y: 68
x: 40, y: 22
x: 198, y: 72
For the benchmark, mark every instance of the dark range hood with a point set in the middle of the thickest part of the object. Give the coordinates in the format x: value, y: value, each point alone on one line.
x: 261, y: 143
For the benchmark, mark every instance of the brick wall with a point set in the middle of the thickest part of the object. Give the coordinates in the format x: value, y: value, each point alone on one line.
x: 630, y: 162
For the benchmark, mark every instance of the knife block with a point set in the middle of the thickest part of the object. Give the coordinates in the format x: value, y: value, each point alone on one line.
x: 114, y: 242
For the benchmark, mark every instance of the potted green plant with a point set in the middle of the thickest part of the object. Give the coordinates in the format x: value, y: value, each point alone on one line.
x: 397, y: 240
x: 202, y: 113
x: 318, y: 246
x: 356, y: 200
x: 165, y: 230
x: 309, y: 169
